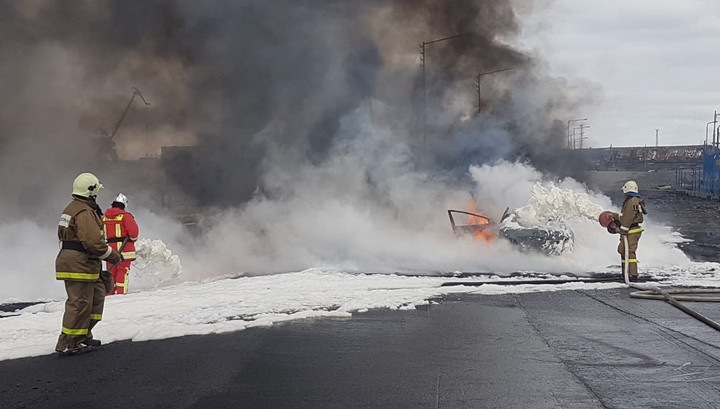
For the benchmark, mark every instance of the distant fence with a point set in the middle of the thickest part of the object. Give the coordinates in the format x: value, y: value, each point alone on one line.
x: 642, y: 157
x: 701, y: 180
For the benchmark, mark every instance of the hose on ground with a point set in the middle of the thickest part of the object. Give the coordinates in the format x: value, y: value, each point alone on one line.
x: 657, y: 293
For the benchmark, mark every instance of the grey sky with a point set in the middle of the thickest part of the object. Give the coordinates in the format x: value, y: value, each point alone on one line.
x: 652, y: 64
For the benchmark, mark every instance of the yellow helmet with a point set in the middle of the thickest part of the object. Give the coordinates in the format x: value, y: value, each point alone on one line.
x: 86, y: 185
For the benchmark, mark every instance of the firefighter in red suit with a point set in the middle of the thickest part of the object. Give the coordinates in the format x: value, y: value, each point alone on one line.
x: 120, y: 226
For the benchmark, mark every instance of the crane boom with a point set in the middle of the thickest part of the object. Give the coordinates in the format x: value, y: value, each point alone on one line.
x: 136, y: 93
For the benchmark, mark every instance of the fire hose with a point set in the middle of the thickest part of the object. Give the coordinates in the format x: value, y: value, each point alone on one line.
x: 673, y: 297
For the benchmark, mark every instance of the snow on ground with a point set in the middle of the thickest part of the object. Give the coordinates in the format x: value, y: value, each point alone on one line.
x: 235, y: 303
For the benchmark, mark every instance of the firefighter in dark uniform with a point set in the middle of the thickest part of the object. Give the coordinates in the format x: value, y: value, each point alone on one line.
x: 78, y: 264
x: 629, y: 219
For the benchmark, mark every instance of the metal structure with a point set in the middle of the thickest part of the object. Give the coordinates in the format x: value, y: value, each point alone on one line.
x: 477, y: 83
x: 577, y: 140
x: 570, y: 140
x: 703, y: 180
x: 706, y: 131
x: 480, y: 223
x: 106, y: 144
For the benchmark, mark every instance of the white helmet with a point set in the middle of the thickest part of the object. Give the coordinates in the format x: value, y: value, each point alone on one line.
x: 86, y: 185
x: 630, y: 186
x: 121, y: 198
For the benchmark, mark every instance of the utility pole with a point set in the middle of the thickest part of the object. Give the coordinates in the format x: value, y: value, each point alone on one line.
x: 582, y: 134
x: 477, y: 84
x: 422, y: 64
x: 571, y: 140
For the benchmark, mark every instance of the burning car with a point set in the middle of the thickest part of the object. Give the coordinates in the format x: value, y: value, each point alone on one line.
x: 553, y: 239
x: 541, y: 225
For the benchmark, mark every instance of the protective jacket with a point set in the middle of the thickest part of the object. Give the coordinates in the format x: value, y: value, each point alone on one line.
x: 82, y: 242
x: 633, y: 209
x: 118, y: 225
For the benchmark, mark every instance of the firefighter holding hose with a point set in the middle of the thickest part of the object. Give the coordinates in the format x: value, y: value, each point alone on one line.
x: 627, y: 224
x: 121, y: 231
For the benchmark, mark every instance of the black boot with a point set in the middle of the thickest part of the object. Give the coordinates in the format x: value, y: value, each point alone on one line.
x: 81, y: 348
x: 93, y: 342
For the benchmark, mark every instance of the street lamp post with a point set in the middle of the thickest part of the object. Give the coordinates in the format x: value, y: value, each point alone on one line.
x: 477, y: 83
x: 422, y: 64
x: 706, y: 131
x: 715, y: 141
x: 570, y: 141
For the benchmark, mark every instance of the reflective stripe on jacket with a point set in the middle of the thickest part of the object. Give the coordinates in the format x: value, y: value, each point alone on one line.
x: 117, y: 225
x: 631, y: 214
x: 80, y: 222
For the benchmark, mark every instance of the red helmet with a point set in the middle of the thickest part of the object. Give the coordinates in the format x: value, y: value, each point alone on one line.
x: 605, y: 218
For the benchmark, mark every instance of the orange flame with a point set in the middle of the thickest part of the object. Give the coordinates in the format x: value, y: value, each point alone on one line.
x: 482, y: 233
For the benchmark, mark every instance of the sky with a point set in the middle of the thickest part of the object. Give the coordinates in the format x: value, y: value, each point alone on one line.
x: 652, y: 65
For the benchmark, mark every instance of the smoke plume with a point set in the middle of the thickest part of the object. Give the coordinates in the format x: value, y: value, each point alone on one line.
x: 303, y: 123
x: 252, y: 84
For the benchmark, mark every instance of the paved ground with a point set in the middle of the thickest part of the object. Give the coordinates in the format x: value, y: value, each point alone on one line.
x: 572, y: 349
x: 569, y: 349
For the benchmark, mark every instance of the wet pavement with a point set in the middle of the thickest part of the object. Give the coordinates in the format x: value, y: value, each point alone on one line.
x: 569, y: 349
x: 566, y: 349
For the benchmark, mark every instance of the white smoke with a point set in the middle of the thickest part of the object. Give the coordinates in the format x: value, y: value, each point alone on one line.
x: 365, y: 209
x: 368, y: 209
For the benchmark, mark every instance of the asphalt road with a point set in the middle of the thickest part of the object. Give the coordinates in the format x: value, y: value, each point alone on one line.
x: 568, y: 349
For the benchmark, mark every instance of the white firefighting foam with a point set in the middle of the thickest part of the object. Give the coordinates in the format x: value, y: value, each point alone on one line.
x: 542, y: 224
x: 552, y: 203
x: 155, y: 265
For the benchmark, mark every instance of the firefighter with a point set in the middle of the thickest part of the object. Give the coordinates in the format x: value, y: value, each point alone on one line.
x: 629, y: 219
x: 78, y: 264
x: 120, y: 227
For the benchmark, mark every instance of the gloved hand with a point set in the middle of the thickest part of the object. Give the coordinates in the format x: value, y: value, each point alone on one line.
x: 107, y: 280
x: 614, y: 227
x: 114, y: 258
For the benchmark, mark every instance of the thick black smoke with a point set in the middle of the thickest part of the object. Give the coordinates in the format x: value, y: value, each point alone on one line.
x: 252, y: 84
